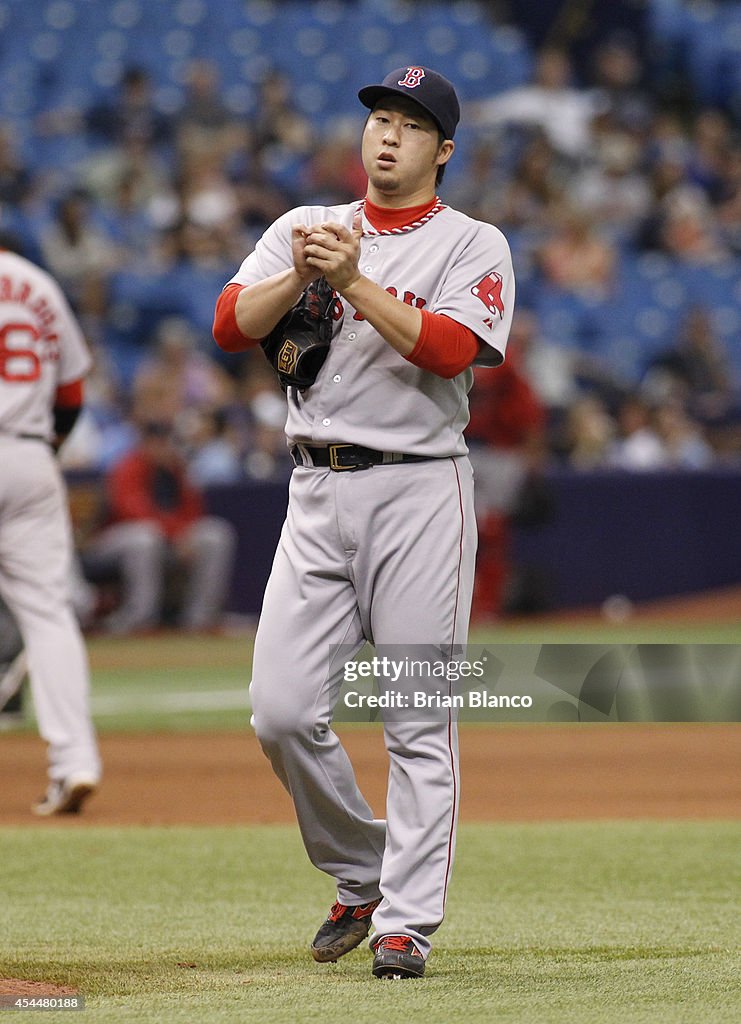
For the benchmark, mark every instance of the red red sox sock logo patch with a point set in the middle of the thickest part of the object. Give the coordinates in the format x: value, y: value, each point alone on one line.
x: 413, y: 77
x: 489, y: 290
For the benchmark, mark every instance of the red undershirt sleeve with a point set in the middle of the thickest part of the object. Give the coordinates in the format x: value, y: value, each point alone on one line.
x: 67, y: 404
x: 444, y: 346
x: 227, y: 334
x: 69, y: 395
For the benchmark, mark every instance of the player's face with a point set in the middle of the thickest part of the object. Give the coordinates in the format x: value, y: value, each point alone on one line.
x: 401, y: 152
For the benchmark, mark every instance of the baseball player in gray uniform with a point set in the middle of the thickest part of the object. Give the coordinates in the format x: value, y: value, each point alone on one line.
x: 380, y: 538
x: 43, y: 360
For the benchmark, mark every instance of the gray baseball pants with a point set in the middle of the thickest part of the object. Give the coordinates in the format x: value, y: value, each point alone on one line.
x: 385, y: 555
x: 35, y: 559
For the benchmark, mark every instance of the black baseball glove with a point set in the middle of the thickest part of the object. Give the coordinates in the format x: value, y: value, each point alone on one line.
x: 299, y: 343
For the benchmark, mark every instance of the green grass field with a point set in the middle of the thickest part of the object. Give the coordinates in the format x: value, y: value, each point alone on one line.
x: 194, y: 683
x: 609, y: 923
x: 615, y: 923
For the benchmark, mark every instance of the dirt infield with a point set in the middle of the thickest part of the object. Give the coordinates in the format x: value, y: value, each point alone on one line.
x: 19, y: 988
x: 509, y: 773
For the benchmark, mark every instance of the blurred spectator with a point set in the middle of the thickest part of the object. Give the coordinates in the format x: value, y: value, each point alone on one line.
x: 126, y: 180
x: 267, y: 456
x: 561, y: 376
x: 20, y: 211
x: 665, y: 176
x: 176, y: 368
x: 157, y: 532
x: 551, y: 104
x: 131, y: 114
x: 200, y: 193
x: 506, y: 442
x: 622, y: 102
x: 204, y: 121
x: 711, y: 142
x: 668, y: 142
x: 336, y: 174
x: 261, y: 200
x: 534, y: 192
x: 15, y: 178
x: 278, y: 123
x: 681, y: 221
x: 612, y: 190
x: 81, y: 257
x: 214, y: 449
x: 695, y: 371
x: 589, y: 432
x: 479, y: 192
x: 200, y: 246
x: 576, y: 258
x: 637, y: 446
x: 682, y: 440
x: 696, y: 374
x: 690, y: 232
x: 550, y: 369
x: 127, y: 220
x: 729, y: 202
x: 281, y: 135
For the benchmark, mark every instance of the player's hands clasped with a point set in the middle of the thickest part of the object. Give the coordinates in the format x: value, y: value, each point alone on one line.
x: 299, y: 234
x: 334, y: 251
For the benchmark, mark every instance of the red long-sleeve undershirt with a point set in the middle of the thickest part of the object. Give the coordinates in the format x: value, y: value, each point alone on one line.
x: 444, y: 346
x: 67, y: 405
x: 69, y: 395
x: 227, y: 334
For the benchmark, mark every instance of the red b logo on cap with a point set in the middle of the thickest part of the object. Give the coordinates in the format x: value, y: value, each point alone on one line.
x: 413, y: 77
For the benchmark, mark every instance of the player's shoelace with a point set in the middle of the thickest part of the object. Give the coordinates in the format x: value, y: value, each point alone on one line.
x: 336, y: 911
x: 395, y: 944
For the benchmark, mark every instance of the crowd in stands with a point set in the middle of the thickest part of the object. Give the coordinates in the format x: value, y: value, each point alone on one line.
x: 588, y: 173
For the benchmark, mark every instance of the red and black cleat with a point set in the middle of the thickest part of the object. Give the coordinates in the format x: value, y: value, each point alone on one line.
x: 397, y: 957
x: 344, y: 929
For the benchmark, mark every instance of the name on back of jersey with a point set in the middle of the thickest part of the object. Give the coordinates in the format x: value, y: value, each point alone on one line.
x: 21, y: 293
x: 28, y: 335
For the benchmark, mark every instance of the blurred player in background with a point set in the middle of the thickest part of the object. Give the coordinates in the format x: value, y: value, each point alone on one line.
x: 43, y: 360
x: 158, y: 530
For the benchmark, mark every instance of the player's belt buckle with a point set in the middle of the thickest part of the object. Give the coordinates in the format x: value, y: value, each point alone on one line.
x: 337, y: 465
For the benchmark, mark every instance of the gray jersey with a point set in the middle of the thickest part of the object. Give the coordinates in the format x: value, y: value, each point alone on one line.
x: 366, y: 392
x: 41, y: 346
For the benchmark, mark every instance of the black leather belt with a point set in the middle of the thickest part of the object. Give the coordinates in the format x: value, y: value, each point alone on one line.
x: 25, y: 437
x: 352, y: 457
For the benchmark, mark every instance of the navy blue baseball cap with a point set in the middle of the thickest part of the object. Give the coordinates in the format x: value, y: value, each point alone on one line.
x: 430, y: 90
